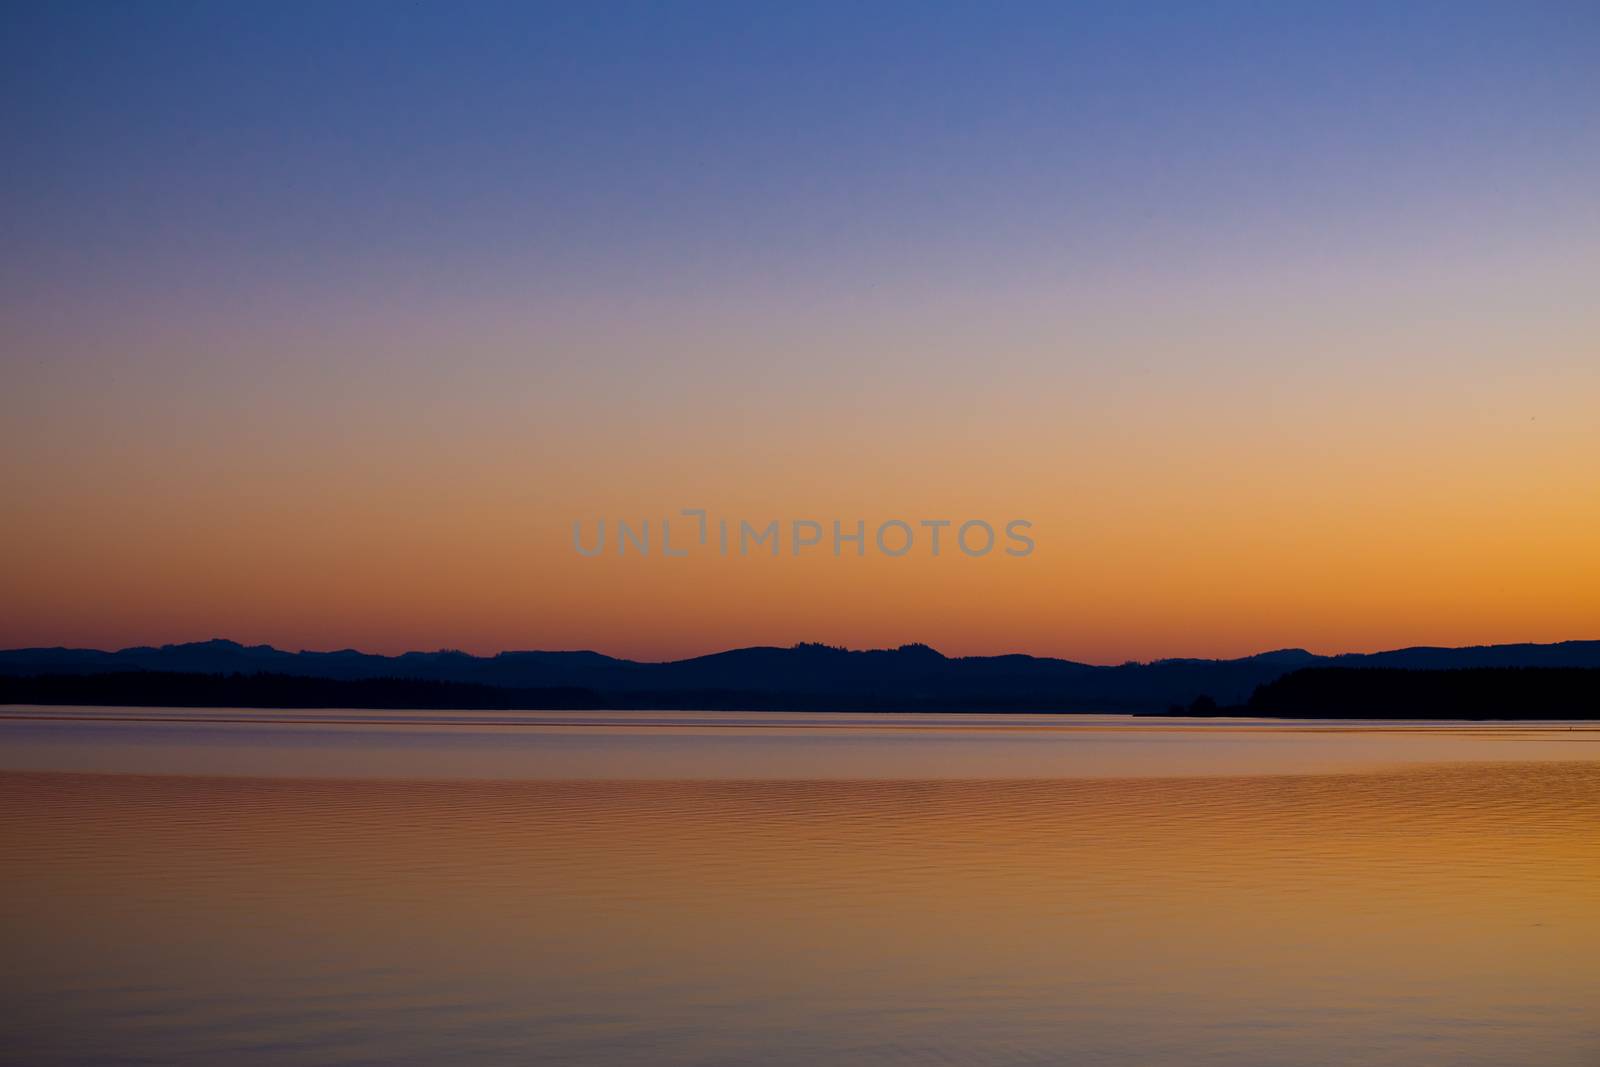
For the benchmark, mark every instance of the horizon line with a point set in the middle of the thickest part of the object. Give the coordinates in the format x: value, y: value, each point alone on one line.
x: 903, y: 647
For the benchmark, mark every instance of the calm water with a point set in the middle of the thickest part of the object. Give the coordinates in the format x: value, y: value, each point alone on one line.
x: 201, y: 887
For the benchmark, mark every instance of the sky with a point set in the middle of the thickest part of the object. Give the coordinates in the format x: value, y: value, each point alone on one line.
x: 321, y: 325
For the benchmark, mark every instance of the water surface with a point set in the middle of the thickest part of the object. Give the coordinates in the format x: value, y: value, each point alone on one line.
x: 198, y: 887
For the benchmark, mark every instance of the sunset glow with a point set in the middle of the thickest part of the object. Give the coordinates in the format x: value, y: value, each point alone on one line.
x: 1282, y: 328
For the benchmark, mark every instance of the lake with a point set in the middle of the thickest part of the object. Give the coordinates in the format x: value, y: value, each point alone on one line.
x: 201, y: 886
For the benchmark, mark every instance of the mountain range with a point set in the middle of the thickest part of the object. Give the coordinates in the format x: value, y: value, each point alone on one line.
x: 805, y: 676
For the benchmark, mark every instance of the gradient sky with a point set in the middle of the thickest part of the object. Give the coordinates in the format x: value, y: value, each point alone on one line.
x: 321, y: 324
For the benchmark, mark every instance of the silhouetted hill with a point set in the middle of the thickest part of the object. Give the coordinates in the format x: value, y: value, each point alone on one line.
x: 166, y: 689
x: 1460, y: 693
x: 807, y: 676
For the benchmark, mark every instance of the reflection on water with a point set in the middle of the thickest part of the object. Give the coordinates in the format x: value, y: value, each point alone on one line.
x: 1425, y: 914
x: 344, y: 743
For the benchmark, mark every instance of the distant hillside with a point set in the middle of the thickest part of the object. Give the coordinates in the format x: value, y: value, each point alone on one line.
x: 166, y: 689
x: 1465, y: 693
x: 808, y: 676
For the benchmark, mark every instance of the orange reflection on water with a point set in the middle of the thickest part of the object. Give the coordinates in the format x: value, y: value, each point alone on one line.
x: 1444, y: 914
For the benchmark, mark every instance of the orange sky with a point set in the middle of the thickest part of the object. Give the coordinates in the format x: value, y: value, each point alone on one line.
x: 1215, y: 506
